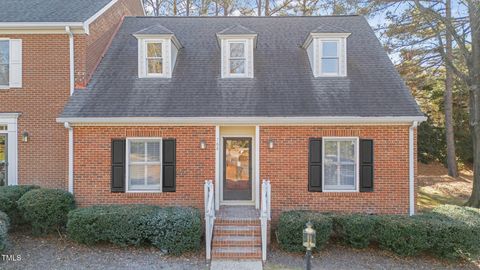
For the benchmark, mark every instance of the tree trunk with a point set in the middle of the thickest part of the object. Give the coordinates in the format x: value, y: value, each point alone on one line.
x: 267, y: 7
x: 259, y: 7
x: 216, y: 8
x: 448, y: 101
x: 175, y: 11
x: 188, y: 8
x: 474, y: 85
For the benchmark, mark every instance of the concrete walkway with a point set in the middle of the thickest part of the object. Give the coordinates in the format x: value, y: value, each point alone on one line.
x: 237, y: 265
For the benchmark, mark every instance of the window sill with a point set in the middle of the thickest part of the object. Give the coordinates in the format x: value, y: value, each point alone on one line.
x: 142, y: 194
x: 341, y: 194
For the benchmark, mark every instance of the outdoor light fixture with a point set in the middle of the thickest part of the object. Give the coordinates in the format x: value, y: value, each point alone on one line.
x: 203, y: 144
x: 270, y: 144
x: 25, y: 136
x: 309, y: 238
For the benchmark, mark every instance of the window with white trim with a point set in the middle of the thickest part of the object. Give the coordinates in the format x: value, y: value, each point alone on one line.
x: 330, y: 57
x: 237, y: 60
x: 154, y: 58
x: 144, y: 165
x: 340, y: 164
x: 4, y: 63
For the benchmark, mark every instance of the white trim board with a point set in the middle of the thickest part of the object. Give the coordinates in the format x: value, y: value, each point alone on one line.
x: 328, y: 120
x: 10, y: 119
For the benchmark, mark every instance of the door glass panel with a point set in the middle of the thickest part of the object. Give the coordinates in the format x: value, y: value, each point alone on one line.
x: 237, y: 180
x: 3, y: 160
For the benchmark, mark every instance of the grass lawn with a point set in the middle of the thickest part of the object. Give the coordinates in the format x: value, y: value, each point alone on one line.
x: 435, y: 187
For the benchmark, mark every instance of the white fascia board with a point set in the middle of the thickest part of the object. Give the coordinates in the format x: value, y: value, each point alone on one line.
x: 333, y: 120
x: 46, y: 27
x: 311, y: 36
x: 95, y: 16
x: 172, y: 37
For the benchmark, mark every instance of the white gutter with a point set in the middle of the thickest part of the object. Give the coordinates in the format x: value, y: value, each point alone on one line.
x: 70, y: 157
x: 411, y: 167
x: 40, y: 24
x: 72, y: 59
x: 333, y: 120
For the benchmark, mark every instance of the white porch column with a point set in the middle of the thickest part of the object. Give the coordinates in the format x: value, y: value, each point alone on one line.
x: 257, y: 167
x: 217, y: 168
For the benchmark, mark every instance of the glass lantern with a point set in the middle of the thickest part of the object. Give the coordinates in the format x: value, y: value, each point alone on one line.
x: 309, y: 236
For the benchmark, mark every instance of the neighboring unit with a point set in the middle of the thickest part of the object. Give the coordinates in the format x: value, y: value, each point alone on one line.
x: 48, y: 48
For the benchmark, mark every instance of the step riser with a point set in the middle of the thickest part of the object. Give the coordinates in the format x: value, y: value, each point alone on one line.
x: 237, y: 222
x: 237, y: 233
x: 236, y: 244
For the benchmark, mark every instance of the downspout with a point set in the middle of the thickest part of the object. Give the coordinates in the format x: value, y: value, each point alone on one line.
x: 411, y: 167
x: 67, y: 125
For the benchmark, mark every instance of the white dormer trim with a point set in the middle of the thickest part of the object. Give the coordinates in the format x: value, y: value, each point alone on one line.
x: 313, y: 46
x: 250, y: 42
x: 170, y: 47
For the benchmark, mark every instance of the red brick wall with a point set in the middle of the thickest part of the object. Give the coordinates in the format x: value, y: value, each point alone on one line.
x: 285, y: 165
x: 42, y: 160
x: 103, y: 29
x: 46, y: 89
x: 93, y: 161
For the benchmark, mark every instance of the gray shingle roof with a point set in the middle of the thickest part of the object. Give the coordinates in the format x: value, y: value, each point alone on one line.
x: 154, y: 30
x: 236, y: 30
x: 49, y: 10
x: 283, y: 83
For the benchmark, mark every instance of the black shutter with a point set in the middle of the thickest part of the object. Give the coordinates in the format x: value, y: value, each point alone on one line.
x: 168, y: 165
x: 366, y: 165
x: 315, y: 165
x: 118, y: 166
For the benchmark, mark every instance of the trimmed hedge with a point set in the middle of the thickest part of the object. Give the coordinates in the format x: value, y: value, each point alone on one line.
x: 292, y: 223
x: 46, y: 209
x: 172, y: 229
x: 450, y: 232
x: 355, y: 230
x: 4, y: 224
x: 9, y: 195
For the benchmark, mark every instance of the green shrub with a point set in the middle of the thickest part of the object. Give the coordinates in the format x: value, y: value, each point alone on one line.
x: 172, y: 229
x: 175, y: 230
x: 355, y: 230
x: 46, y: 209
x: 9, y: 195
x: 454, y: 231
x: 4, y: 224
x: 406, y: 236
x: 291, y: 225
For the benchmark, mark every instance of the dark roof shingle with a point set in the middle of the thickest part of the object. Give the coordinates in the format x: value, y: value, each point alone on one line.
x: 49, y: 10
x: 283, y: 83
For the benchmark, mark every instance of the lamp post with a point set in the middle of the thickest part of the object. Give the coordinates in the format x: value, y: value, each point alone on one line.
x: 309, y: 235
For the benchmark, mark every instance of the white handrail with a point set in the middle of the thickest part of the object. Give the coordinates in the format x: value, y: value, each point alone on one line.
x: 265, y: 214
x: 209, y: 216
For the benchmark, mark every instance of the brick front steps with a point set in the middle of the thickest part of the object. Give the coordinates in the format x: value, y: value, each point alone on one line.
x: 236, y: 237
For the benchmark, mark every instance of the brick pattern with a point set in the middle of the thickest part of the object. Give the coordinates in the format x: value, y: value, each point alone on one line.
x: 93, y: 161
x: 286, y: 167
x: 43, y: 160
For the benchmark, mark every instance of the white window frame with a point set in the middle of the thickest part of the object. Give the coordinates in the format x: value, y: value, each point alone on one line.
x: 321, y: 57
x: 145, y: 46
x: 7, y: 86
x: 127, y: 163
x: 357, y: 163
x: 245, y: 57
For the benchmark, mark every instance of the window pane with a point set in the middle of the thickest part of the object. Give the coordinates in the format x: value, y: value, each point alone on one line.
x: 330, y: 65
x: 136, y: 175
x: 330, y: 174
x: 347, y: 151
x: 347, y: 176
x: 153, y: 151
x: 329, y: 49
x: 237, y: 66
x: 153, y: 175
x: 237, y: 49
x: 137, y: 151
x: 155, y: 66
x: 4, y: 62
x: 154, y: 49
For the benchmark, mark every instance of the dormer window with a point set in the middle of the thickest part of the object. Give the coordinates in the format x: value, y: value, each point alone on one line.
x: 237, y: 45
x: 326, y: 47
x: 330, y: 57
x: 154, y: 60
x: 237, y: 58
x: 157, y: 52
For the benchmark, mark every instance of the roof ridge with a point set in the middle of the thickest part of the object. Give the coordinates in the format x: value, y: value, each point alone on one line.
x: 238, y: 17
